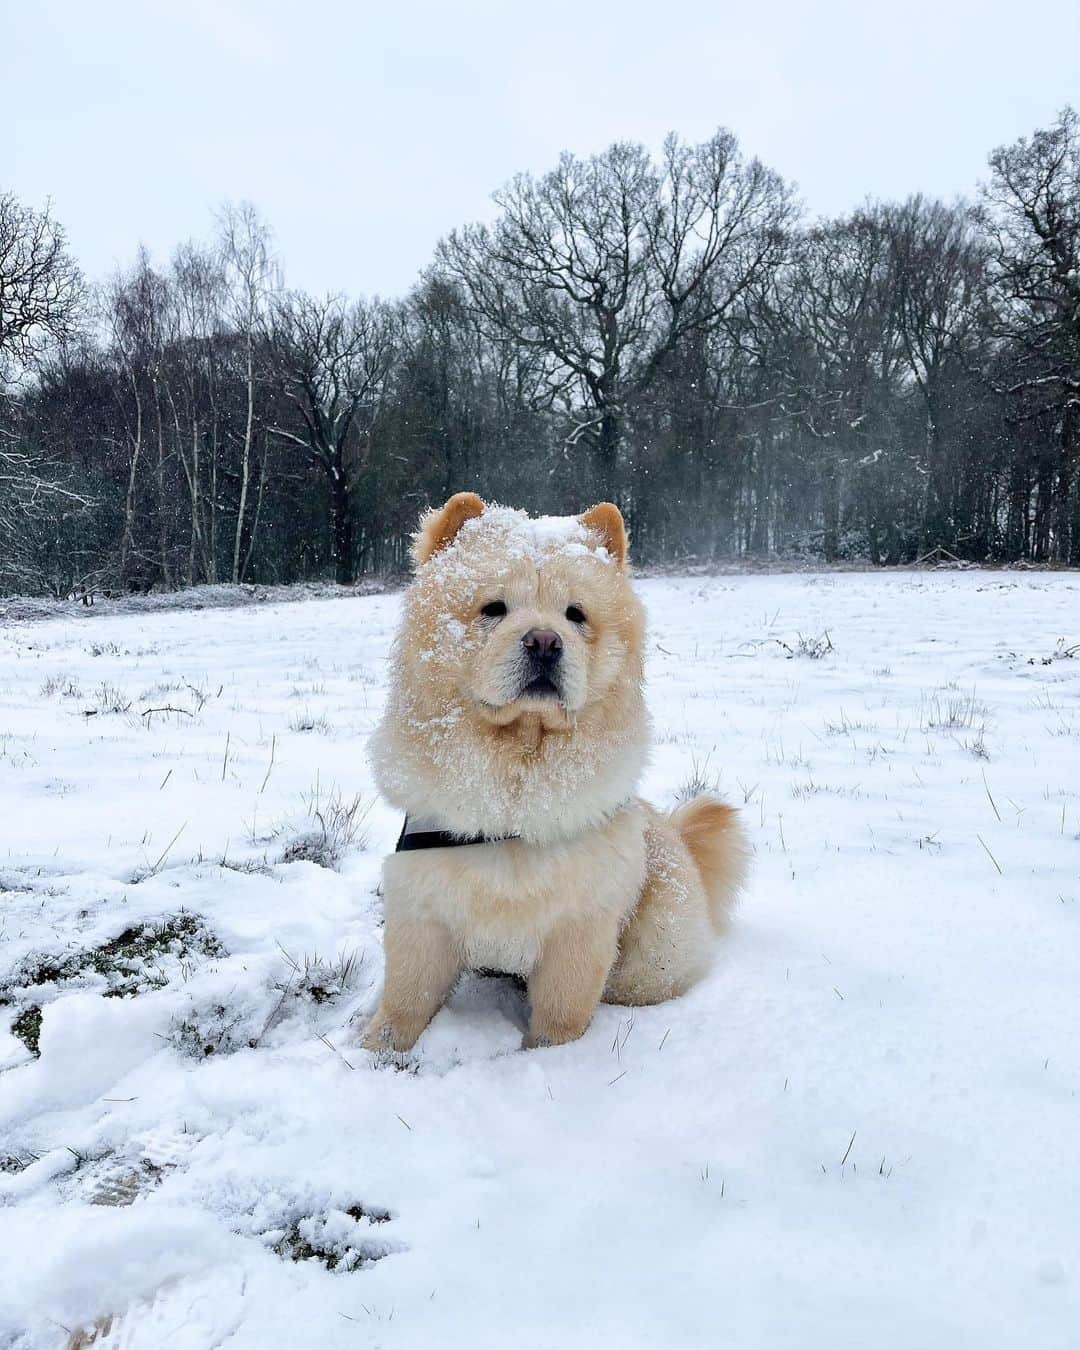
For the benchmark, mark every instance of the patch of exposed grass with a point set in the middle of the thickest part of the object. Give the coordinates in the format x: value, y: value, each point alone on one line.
x: 64, y: 685
x: 27, y: 1026
x: 337, y: 824
x: 953, y: 709
x: 669, y: 736
x: 316, y: 690
x: 976, y: 745
x: 12, y: 1163
x: 808, y: 646
x: 338, y: 1240
x: 321, y: 981
x: 246, y: 866
x: 142, y: 957
x: 129, y: 962
x: 698, y: 781
x: 213, y: 1030
x: 218, y: 1028
x: 110, y: 699
x: 1063, y: 651
x: 805, y: 791
x: 308, y: 721
x: 845, y: 725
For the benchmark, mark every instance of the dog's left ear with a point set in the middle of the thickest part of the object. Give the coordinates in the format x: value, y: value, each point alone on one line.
x: 439, y: 527
x: 606, y: 522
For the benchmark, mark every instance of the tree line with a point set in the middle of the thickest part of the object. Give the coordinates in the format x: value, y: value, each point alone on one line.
x: 669, y: 332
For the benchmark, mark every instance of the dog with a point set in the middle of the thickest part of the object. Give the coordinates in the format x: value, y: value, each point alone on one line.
x: 514, y: 737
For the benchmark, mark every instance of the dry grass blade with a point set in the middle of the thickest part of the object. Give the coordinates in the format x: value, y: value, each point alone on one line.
x: 167, y: 850
x: 989, y: 798
x: 270, y: 766
x: 990, y: 855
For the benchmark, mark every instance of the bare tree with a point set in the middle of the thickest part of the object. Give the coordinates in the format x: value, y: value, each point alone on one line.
x: 833, y: 339
x: 902, y: 378
x: 40, y: 286
x: 136, y: 306
x: 1032, y: 211
x: 938, y: 263
x: 331, y: 363
x: 40, y: 297
x: 250, y: 271
x: 194, y: 319
x: 38, y: 502
x: 604, y: 265
x: 33, y: 499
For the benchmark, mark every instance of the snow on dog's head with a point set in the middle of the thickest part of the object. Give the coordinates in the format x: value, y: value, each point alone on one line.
x: 518, y: 666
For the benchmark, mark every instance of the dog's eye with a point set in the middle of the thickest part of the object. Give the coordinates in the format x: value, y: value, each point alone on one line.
x: 494, y: 609
x: 575, y: 615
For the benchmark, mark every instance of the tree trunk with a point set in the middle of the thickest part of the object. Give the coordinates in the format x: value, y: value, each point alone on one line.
x: 607, y: 456
x: 830, y: 509
x: 1016, y: 515
x: 342, y: 527
x: 1042, y: 538
x: 163, y: 534
x: 212, y: 571
x: 245, y: 467
x: 128, y: 539
x: 873, y: 541
x: 246, y: 564
x: 1066, y: 545
x: 195, y: 504
x: 934, y: 531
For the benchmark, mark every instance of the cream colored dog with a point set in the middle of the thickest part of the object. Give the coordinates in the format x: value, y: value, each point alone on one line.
x: 516, y: 724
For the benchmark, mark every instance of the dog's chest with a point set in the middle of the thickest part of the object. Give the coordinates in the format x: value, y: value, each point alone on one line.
x: 498, y: 903
x: 496, y: 907
x: 501, y: 926
x: 508, y: 954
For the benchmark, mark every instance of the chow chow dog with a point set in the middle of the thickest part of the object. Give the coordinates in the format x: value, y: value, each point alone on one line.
x: 514, y: 737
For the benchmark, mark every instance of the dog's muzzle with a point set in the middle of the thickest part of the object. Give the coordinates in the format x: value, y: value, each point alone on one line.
x: 542, y: 666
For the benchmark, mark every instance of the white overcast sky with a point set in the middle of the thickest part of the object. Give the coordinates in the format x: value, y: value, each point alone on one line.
x: 364, y: 131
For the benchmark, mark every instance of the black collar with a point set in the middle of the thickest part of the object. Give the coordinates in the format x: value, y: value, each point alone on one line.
x: 419, y: 832
x: 417, y: 836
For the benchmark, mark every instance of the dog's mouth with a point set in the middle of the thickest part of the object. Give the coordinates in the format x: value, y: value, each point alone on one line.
x: 541, y: 687
x: 538, y: 694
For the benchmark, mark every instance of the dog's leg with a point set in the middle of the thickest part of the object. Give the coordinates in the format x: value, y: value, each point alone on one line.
x: 422, y: 964
x: 566, y: 985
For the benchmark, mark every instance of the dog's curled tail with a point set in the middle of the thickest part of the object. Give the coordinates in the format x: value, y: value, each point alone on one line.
x: 711, y: 830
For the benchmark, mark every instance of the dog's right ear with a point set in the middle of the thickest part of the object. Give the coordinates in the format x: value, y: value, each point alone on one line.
x: 438, y: 529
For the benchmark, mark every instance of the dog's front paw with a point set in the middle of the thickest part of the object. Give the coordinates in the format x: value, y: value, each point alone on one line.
x: 385, y: 1035
x: 543, y: 1038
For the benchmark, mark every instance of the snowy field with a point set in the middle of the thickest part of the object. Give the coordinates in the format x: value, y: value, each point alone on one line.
x: 863, y: 1130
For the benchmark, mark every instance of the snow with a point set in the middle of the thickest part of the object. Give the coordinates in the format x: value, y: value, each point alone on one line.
x: 533, y: 537
x: 861, y: 1129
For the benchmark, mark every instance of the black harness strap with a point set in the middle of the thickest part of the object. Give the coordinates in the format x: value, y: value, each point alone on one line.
x: 407, y: 842
x: 418, y: 839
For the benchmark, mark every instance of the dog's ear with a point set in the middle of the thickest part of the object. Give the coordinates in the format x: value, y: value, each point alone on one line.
x: 605, y: 521
x: 439, y: 527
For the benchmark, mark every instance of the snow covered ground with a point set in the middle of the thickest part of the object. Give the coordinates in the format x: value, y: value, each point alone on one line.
x: 862, y: 1130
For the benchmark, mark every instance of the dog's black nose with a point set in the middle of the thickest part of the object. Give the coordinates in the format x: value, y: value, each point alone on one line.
x: 543, y: 644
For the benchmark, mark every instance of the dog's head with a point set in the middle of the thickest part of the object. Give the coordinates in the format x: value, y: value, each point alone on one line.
x: 514, y: 616
x: 519, y: 659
